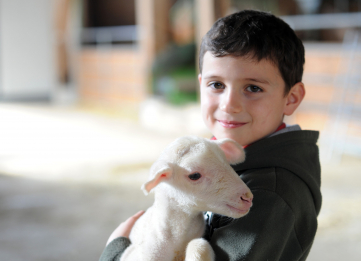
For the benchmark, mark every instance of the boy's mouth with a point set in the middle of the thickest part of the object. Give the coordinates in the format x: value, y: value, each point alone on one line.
x: 231, y: 124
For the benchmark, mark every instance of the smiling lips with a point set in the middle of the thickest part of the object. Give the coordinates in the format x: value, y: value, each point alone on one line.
x: 231, y: 124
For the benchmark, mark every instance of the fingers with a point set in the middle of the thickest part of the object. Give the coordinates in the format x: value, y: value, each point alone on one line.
x: 135, y: 217
x: 123, y: 230
x: 129, y: 223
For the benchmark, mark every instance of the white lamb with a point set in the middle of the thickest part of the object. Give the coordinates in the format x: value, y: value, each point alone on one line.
x: 192, y: 175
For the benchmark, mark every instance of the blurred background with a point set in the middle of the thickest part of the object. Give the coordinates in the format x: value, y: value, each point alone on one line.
x: 91, y: 91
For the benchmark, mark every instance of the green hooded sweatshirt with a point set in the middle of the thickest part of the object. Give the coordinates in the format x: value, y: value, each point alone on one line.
x: 283, y: 173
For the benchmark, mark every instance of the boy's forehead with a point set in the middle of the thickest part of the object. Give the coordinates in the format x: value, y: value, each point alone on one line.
x: 210, y: 58
x: 239, y: 66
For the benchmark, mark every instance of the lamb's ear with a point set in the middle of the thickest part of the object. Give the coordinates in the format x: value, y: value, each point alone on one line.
x: 160, y: 171
x: 234, y: 152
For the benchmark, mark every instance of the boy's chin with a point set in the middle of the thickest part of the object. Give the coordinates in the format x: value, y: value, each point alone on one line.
x: 242, y: 139
x: 242, y: 142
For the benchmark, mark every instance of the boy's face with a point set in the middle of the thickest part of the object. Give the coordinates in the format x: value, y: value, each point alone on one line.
x: 242, y: 99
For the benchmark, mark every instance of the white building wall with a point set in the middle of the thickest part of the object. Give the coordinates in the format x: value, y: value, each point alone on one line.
x: 27, y: 49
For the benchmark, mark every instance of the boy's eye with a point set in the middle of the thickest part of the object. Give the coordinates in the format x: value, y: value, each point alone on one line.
x: 217, y: 85
x: 253, y: 88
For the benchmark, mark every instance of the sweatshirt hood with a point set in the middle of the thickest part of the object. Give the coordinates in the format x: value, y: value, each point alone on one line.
x: 295, y: 151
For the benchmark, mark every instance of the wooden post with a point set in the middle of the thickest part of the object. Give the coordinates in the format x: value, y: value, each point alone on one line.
x: 222, y: 8
x: 62, y: 18
x: 205, y: 18
x: 152, y: 19
x: 208, y: 11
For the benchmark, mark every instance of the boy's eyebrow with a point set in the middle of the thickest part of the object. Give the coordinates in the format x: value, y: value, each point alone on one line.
x: 257, y: 80
x: 210, y: 76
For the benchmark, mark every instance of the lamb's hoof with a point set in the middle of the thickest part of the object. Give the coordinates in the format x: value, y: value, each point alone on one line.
x: 199, y: 250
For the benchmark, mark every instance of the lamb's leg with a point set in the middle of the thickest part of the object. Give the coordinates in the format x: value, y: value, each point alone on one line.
x: 199, y: 250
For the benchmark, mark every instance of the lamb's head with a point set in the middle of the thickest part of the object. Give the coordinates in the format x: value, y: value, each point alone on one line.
x: 196, y: 173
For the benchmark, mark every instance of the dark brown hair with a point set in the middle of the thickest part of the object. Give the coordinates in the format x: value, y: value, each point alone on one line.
x: 257, y: 35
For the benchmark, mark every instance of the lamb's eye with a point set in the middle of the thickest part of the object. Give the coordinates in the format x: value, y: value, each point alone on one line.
x: 195, y: 176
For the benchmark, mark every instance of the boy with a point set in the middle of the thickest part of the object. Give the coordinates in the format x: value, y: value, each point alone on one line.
x: 251, y: 66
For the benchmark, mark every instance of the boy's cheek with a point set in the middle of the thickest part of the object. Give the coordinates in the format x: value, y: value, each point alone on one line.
x: 205, y: 99
x: 207, y: 115
x: 207, y: 95
x: 208, y: 105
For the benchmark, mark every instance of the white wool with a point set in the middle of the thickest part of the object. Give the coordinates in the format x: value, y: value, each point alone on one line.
x: 175, y: 220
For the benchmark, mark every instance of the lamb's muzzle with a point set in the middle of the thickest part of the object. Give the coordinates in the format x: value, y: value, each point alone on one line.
x: 247, y: 197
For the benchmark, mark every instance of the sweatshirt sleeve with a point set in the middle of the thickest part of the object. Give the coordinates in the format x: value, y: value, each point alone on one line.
x: 115, y: 249
x: 265, y: 233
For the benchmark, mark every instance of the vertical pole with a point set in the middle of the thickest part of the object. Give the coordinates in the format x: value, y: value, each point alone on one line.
x: 1, y: 79
x: 205, y: 18
x: 153, y: 23
x: 144, y: 20
x: 207, y: 12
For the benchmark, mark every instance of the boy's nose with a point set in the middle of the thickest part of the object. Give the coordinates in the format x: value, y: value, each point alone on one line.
x: 231, y: 103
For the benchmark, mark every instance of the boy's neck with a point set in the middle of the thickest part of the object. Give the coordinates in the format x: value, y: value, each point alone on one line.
x: 282, y: 126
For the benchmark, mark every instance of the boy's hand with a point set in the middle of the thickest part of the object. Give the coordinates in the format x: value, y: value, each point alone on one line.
x: 123, y: 230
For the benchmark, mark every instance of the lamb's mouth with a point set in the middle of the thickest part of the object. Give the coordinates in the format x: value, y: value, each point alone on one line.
x: 237, y: 210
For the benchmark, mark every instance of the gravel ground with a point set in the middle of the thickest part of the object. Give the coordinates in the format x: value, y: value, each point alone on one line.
x: 48, y: 221
x: 339, y: 233
x: 61, y: 201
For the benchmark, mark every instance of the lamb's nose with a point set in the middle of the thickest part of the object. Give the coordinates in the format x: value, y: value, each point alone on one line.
x: 247, y: 197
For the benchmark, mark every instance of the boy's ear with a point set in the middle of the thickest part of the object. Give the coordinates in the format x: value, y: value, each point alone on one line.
x: 200, y: 79
x: 294, y: 98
